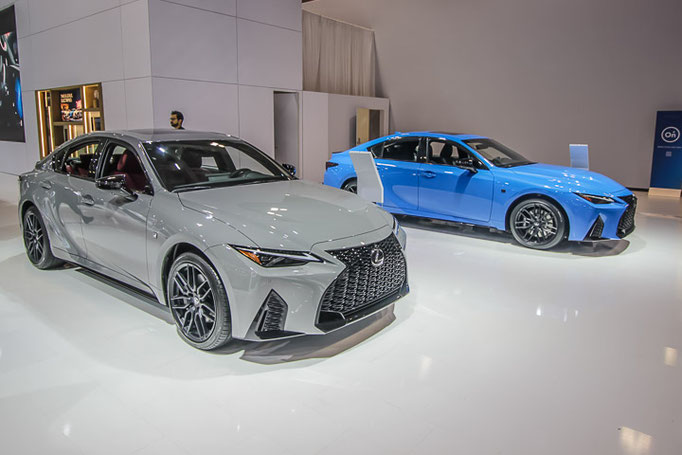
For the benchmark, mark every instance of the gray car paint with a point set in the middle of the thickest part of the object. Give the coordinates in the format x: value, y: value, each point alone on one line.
x: 129, y: 240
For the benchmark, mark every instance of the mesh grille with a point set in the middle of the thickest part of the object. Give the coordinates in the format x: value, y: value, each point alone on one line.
x: 275, y: 313
x: 597, y: 229
x: 627, y: 222
x: 362, y: 283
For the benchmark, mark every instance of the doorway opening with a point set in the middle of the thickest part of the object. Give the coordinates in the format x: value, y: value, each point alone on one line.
x: 287, y: 147
x: 368, y: 124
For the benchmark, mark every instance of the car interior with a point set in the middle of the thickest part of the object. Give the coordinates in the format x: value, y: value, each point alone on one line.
x: 82, y: 162
x: 183, y: 165
x: 405, y: 150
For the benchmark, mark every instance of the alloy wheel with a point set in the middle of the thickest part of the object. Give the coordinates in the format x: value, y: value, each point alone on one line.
x: 192, y: 302
x: 536, y: 224
x: 34, y: 237
x: 351, y: 187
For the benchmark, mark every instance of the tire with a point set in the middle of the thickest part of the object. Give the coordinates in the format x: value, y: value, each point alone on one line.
x: 351, y: 186
x: 537, y: 224
x: 198, y: 302
x: 36, y: 241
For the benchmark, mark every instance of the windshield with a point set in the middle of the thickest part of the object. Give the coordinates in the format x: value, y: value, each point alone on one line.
x: 498, y: 154
x: 190, y: 165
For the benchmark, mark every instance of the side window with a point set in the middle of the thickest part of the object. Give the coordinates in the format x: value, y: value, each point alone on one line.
x: 404, y: 150
x: 445, y: 152
x: 120, y: 160
x: 376, y: 149
x: 57, y: 160
x: 81, y: 160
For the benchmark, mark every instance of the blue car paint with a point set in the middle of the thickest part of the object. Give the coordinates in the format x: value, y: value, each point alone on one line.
x: 486, y: 197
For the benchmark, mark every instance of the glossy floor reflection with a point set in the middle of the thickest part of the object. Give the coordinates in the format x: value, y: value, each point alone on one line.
x: 496, y: 350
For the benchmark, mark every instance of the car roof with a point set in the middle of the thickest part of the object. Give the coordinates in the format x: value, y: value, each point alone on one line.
x: 440, y: 134
x: 163, y: 134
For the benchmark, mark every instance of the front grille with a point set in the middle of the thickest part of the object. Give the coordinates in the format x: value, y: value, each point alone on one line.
x: 362, y: 283
x: 627, y: 222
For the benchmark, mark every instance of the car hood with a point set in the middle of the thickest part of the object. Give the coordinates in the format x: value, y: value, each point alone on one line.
x: 289, y: 215
x: 568, y: 178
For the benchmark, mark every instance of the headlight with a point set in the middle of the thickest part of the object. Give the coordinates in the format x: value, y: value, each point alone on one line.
x: 277, y: 258
x: 596, y: 199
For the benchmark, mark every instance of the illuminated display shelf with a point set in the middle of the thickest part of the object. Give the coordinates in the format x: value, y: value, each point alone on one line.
x: 83, y: 103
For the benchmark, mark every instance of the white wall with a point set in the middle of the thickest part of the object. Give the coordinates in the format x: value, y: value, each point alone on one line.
x: 217, y: 61
x: 116, y: 38
x: 220, y: 63
x: 328, y: 125
x: 270, y: 56
x: 342, y: 118
x: 535, y: 74
x: 192, y: 44
x: 256, y: 112
x: 314, y: 135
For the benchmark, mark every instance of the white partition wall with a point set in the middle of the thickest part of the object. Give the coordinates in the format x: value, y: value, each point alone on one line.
x: 220, y: 62
x: 328, y: 125
x: 314, y: 136
x: 217, y: 61
x: 78, y: 42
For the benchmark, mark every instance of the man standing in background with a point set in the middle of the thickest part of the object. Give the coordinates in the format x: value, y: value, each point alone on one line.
x: 176, y: 119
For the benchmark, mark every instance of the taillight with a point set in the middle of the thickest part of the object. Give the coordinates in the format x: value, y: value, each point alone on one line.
x: 329, y: 164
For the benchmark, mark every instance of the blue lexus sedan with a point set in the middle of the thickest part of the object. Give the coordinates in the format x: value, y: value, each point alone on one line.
x: 476, y: 180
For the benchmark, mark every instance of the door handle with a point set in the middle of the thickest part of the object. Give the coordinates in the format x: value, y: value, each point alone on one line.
x: 87, y: 200
x: 428, y: 174
x: 46, y: 185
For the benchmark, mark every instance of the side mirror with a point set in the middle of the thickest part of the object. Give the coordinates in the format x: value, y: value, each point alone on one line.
x: 111, y: 182
x: 466, y: 163
x: 114, y: 182
x: 290, y: 168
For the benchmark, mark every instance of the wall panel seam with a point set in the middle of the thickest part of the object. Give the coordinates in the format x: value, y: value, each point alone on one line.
x: 236, y: 15
x: 72, y: 21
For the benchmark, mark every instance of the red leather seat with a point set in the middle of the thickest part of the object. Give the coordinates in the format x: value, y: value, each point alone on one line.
x: 129, y: 166
x: 84, y: 168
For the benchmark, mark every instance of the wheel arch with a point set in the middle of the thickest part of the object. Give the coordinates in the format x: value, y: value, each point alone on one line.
x: 547, y: 198
x: 172, y: 254
x: 24, y: 207
x: 352, y: 177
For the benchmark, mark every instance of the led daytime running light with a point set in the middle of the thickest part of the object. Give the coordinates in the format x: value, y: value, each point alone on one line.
x: 593, y: 198
x: 274, y: 258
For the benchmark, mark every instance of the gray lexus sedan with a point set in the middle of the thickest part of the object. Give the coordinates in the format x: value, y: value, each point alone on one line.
x: 215, y: 229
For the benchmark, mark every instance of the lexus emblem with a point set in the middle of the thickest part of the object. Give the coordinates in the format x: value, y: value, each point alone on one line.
x: 377, y: 257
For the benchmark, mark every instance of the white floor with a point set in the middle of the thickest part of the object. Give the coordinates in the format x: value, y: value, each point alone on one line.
x: 497, y: 350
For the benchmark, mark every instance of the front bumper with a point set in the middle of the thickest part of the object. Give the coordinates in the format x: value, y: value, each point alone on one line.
x: 591, y: 222
x: 279, y: 302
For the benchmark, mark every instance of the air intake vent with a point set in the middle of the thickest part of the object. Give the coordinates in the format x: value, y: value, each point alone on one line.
x: 274, y: 314
x: 597, y: 229
x: 627, y: 222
